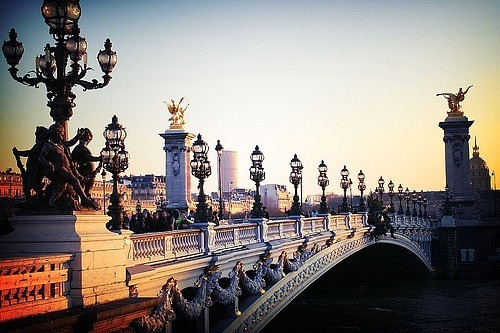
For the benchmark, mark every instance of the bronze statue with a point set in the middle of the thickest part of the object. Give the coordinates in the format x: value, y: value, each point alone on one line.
x: 455, y: 99
x: 60, y: 168
x: 84, y: 160
x: 33, y: 174
x: 177, y: 112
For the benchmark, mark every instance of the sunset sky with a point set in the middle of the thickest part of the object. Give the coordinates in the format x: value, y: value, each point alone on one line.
x: 347, y: 82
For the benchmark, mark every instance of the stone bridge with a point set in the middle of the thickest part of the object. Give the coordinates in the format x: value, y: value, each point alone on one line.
x: 227, y: 278
x: 236, y: 278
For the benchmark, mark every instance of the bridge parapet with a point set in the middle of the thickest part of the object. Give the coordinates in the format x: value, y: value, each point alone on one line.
x: 34, y: 285
x: 155, y: 247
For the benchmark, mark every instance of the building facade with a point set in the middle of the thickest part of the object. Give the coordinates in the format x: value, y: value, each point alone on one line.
x: 229, y: 171
x: 276, y: 199
x: 480, y: 178
x: 147, y: 187
x: 11, y: 184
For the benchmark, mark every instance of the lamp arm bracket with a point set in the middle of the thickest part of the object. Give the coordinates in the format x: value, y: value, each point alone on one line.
x: 94, y: 84
x: 26, y: 79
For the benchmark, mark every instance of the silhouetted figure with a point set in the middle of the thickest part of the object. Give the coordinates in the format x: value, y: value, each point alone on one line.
x: 83, y: 158
x: 57, y: 160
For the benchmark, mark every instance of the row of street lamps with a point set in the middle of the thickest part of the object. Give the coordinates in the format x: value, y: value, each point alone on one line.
x: 200, y: 168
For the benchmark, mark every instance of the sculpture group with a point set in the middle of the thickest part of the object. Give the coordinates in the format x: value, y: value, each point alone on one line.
x: 54, y: 176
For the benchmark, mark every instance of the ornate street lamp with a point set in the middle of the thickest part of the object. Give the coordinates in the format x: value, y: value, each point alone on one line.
x: 447, y: 196
x: 407, y: 197
x: 361, y: 188
x: 381, y: 183
x: 323, y: 182
x: 414, y: 200
x: 295, y: 179
x: 103, y: 175
x: 218, y: 149
x: 420, y: 201
x: 344, y: 184
x: 115, y: 159
x: 400, y: 198
x: 200, y: 168
x: 425, y: 208
x: 51, y: 68
x: 391, y: 195
x: 257, y: 175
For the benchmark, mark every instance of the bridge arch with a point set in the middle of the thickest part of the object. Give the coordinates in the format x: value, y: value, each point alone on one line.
x: 259, y: 310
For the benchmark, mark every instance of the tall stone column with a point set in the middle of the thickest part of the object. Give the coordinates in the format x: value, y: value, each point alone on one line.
x: 177, y: 175
x: 456, y: 140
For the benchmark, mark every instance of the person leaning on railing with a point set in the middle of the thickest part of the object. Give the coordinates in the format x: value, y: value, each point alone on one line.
x: 182, y: 222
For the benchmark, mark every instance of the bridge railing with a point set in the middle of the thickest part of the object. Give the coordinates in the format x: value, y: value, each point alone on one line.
x: 150, y: 247
x: 159, y: 246
x: 33, y: 285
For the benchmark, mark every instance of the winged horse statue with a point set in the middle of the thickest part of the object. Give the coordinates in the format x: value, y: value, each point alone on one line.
x: 177, y: 112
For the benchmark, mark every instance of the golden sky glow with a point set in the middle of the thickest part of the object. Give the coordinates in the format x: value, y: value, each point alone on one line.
x: 351, y: 83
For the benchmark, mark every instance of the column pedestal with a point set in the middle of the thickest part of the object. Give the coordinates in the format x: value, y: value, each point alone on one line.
x: 98, y: 267
x: 177, y: 176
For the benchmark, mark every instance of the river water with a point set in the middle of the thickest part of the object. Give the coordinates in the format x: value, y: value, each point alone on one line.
x: 428, y: 305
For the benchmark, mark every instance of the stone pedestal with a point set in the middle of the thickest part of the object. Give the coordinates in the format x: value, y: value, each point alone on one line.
x: 177, y: 175
x: 456, y: 140
x: 98, y: 268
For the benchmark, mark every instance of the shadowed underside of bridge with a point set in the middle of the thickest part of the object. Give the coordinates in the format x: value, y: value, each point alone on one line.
x: 347, y: 262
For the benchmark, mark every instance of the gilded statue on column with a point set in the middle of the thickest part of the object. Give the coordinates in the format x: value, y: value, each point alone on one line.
x: 454, y: 101
x: 177, y: 113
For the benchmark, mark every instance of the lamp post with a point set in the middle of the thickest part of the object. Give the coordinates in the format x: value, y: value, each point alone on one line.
x: 257, y: 175
x: 447, y: 196
x: 295, y: 179
x: 9, y: 173
x: 414, y: 200
x: 381, y: 183
x: 350, y: 194
x: 344, y: 184
x: 361, y: 188
x: 323, y: 182
x: 391, y: 195
x: 420, y: 201
x: 115, y: 159
x: 400, y: 198
x: 218, y: 149
x: 200, y: 168
x: 103, y: 175
x: 425, y: 202
x: 407, y: 197
x: 138, y: 207
x: 51, y: 68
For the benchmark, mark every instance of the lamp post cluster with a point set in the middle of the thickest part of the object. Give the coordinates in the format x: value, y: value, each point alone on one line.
x: 323, y: 182
x: 51, y: 67
x: 115, y: 159
x: 200, y: 168
x: 257, y: 175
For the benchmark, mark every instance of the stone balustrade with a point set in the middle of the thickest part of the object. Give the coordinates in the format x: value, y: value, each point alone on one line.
x: 153, y: 247
x: 33, y: 285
